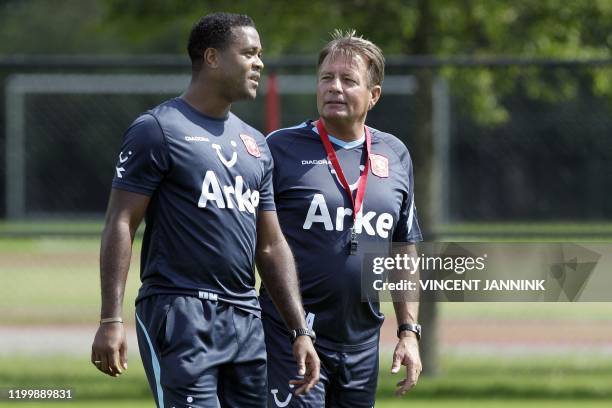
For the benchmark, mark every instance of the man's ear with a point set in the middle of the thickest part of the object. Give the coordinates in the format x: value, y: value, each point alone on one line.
x: 374, y: 95
x: 211, y: 58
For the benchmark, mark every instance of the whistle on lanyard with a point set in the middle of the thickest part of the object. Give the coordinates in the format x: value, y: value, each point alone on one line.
x: 353, y: 243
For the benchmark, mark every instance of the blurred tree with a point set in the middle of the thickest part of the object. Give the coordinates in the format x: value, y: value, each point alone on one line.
x: 56, y: 27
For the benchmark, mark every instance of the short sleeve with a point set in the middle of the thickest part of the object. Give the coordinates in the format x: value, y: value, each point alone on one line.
x: 144, y: 159
x: 266, y: 192
x: 407, y: 229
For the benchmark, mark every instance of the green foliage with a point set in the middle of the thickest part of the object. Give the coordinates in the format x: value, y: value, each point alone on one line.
x: 475, y: 28
x: 56, y: 27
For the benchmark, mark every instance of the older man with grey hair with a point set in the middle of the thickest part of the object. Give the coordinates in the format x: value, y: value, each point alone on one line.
x: 341, y: 187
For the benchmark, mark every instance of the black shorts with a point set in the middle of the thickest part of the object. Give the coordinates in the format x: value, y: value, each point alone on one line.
x: 348, y: 379
x: 201, y: 353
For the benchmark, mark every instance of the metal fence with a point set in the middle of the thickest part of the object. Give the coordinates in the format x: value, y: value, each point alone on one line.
x: 547, y: 159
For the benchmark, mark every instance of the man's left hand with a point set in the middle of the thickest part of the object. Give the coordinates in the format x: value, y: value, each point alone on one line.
x: 308, y: 365
x: 407, y: 354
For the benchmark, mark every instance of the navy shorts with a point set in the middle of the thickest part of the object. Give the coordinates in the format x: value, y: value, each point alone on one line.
x: 347, y: 379
x: 201, y: 353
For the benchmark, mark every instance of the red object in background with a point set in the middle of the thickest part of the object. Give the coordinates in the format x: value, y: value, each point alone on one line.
x: 273, y: 110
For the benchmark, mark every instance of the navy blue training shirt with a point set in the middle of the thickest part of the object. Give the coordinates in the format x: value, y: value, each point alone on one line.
x: 206, y: 178
x: 315, y: 214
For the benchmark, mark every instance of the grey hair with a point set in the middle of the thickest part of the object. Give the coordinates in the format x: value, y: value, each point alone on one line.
x: 348, y: 43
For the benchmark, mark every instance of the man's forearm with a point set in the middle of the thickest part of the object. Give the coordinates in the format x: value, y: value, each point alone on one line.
x: 115, y: 255
x: 406, y: 304
x: 277, y: 269
x: 406, y: 312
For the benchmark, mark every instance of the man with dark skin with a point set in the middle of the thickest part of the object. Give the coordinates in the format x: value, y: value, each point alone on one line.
x: 207, y: 219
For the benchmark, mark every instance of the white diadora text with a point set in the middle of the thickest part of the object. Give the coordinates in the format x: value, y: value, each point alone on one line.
x: 235, y: 196
x: 306, y: 162
x: 196, y: 139
x: 371, y: 223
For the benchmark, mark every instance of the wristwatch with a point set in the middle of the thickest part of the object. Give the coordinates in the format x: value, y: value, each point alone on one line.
x: 415, y: 328
x: 294, y: 334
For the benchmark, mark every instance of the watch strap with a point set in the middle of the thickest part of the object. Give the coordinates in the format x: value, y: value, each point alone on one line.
x: 415, y: 328
x: 302, y: 332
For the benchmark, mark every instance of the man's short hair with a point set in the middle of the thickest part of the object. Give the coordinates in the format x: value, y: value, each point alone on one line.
x: 214, y: 31
x: 348, y: 44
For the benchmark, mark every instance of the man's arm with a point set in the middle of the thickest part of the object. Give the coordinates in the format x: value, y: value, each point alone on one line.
x: 406, y: 311
x: 124, y: 214
x: 277, y: 269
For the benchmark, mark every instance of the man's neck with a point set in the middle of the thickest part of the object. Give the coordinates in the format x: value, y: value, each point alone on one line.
x: 345, y: 132
x: 206, y: 99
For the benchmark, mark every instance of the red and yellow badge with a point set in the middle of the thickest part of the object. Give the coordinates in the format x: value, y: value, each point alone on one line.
x: 380, y: 165
x: 251, y: 145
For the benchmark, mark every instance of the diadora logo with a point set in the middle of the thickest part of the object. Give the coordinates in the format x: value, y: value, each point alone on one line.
x: 277, y: 401
x: 122, y: 159
x: 314, y: 162
x: 197, y: 139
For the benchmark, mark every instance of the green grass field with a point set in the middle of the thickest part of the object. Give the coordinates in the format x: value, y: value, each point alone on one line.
x: 48, y: 281
x: 55, y: 281
x: 472, y: 382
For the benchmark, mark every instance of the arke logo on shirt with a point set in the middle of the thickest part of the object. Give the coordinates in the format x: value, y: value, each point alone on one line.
x: 227, y: 163
x: 212, y: 191
x: 278, y: 402
x: 218, y: 148
x: 245, y: 200
x: 352, y: 186
x: 318, y: 212
x: 119, y: 168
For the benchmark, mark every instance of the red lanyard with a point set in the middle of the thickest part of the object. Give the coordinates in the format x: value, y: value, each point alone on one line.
x: 363, y: 178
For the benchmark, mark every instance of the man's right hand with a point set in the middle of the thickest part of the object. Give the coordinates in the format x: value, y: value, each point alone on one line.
x: 308, y: 364
x: 109, y: 349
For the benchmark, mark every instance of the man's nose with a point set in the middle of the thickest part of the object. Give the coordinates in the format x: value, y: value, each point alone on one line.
x: 335, y: 85
x: 258, y: 64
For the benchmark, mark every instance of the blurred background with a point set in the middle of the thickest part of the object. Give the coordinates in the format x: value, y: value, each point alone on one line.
x: 505, y: 107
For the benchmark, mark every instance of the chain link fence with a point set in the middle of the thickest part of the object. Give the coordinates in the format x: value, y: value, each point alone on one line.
x: 546, y: 158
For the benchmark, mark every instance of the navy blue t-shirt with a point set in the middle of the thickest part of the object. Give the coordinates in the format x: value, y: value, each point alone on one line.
x: 207, y: 178
x: 315, y: 214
